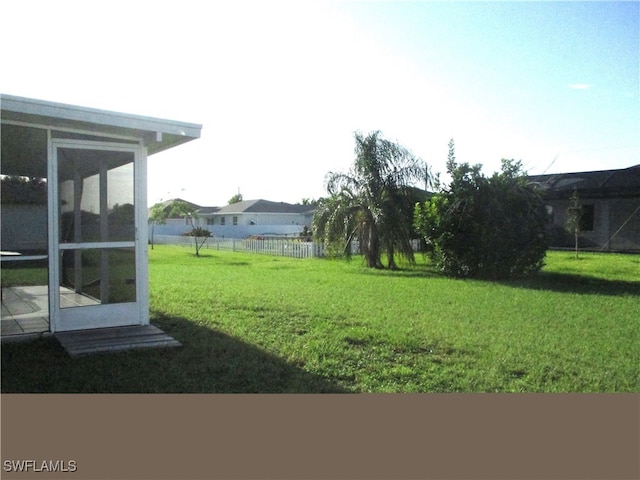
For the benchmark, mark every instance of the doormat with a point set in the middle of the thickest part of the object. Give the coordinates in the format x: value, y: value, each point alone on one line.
x: 114, y: 339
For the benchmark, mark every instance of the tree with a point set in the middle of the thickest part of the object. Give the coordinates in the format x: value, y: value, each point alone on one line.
x: 237, y: 198
x: 17, y: 189
x: 178, y: 208
x: 487, y: 227
x: 574, y: 217
x: 306, y: 235
x: 197, y: 232
x: 182, y: 209
x: 372, y: 203
x: 157, y: 216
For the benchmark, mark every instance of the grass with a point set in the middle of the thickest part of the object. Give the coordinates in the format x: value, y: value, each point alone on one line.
x: 252, y: 323
x: 120, y: 272
x: 25, y: 273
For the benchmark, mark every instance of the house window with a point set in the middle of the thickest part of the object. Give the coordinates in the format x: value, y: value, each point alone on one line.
x: 587, y: 217
x: 222, y: 222
x: 235, y: 220
x: 210, y: 221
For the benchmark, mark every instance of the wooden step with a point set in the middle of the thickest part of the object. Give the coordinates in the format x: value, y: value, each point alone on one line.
x: 114, y: 339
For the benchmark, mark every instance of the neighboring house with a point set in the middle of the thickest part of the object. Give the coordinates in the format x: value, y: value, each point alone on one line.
x: 245, y: 219
x: 257, y: 218
x: 610, y: 202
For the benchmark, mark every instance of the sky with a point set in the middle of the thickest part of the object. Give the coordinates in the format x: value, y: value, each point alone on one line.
x: 280, y: 87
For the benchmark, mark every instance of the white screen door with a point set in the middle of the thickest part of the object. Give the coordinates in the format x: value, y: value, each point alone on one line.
x: 97, y: 284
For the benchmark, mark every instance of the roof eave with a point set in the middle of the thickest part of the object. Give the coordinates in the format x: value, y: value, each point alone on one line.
x: 158, y: 134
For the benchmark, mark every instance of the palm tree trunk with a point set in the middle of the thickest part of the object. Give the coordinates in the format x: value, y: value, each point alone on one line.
x: 390, y: 254
x: 373, y: 247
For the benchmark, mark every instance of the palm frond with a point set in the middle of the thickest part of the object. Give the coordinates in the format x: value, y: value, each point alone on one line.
x: 374, y: 201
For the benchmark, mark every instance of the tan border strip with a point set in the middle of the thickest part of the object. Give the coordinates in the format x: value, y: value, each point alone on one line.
x: 557, y: 436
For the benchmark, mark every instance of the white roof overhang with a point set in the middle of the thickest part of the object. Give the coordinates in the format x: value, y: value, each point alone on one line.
x: 157, y: 134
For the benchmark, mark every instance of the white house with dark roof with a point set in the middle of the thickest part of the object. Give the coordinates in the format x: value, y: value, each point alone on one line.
x: 261, y: 218
x: 257, y: 218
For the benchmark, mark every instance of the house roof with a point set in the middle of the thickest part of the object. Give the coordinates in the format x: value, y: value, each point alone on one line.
x: 158, y: 134
x: 246, y: 206
x: 167, y: 204
x: 263, y: 206
x: 207, y: 210
x: 603, y: 183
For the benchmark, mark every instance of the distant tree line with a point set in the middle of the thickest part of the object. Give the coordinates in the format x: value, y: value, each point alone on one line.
x: 23, y: 190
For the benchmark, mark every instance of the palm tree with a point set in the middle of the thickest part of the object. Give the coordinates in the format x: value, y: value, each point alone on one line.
x: 373, y: 202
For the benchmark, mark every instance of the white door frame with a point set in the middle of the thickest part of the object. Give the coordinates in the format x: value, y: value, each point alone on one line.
x: 106, y: 315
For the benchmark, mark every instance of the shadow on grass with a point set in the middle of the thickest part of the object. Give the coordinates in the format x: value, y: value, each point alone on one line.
x: 208, y: 362
x: 572, y: 283
x: 550, y: 281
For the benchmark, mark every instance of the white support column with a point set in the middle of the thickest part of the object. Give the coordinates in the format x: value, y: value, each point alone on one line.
x: 104, y: 234
x: 142, y: 236
x: 77, y: 230
x: 53, y: 212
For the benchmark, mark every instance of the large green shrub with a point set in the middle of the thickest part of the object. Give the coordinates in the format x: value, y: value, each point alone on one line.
x: 485, y: 227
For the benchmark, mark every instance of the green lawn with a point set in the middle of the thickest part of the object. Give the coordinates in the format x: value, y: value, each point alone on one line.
x: 253, y: 323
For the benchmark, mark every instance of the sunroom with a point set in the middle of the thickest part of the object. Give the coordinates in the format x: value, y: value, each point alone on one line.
x: 74, y: 214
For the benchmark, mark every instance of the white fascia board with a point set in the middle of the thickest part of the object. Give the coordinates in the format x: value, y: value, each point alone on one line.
x: 151, y: 129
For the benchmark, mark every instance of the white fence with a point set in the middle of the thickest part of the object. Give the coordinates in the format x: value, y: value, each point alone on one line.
x: 276, y: 247
x: 281, y: 247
